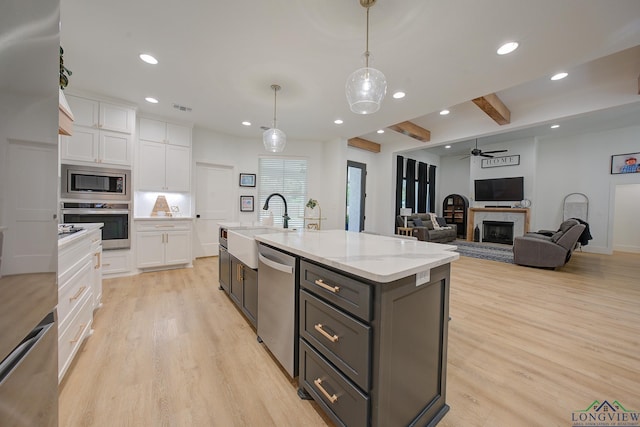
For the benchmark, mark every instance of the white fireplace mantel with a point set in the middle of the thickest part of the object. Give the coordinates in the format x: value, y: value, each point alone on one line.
x: 519, y: 216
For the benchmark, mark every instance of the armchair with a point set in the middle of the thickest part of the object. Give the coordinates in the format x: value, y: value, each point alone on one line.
x: 543, y: 250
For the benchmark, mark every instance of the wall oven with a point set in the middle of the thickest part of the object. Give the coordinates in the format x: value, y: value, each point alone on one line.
x: 96, y: 184
x: 116, y: 218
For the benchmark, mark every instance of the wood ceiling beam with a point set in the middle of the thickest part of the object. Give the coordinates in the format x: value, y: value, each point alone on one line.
x: 364, y: 144
x: 412, y: 130
x: 494, y: 108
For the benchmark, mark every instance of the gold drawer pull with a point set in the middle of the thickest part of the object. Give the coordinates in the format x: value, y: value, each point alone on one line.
x: 77, y: 295
x: 99, y: 260
x: 332, y: 338
x: 78, y: 334
x: 333, y: 289
x: 332, y: 398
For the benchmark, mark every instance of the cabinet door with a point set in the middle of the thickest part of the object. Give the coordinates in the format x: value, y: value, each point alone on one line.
x: 115, y: 148
x: 116, y: 118
x: 97, y: 277
x: 178, y: 168
x: 152, y: 130
x: 235, y: 286
x: 250, y: 294
x: 224, y: 269
x: 81, y: 146
x: 151, y: 166
x: 177, y: 247
x: 150, y: 252
x: 178, y: 135
x: 85, y: 111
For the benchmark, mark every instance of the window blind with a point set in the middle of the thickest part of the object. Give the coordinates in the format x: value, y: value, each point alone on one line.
x: 289, y: 178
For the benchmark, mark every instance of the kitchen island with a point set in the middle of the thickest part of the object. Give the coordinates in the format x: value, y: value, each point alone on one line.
x: 371, y: 324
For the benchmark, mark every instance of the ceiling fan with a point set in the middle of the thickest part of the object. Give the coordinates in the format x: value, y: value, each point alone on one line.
x: 478, y: 152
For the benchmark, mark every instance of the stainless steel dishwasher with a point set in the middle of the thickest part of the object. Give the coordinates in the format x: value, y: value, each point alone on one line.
x: 277, y: 306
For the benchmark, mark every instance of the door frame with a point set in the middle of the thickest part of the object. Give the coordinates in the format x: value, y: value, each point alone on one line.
x: 363, y: 194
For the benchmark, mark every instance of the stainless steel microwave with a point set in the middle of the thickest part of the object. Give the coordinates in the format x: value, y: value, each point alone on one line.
x: 96, y: 184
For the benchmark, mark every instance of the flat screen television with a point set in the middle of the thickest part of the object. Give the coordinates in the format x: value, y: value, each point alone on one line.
x: 499, y: 189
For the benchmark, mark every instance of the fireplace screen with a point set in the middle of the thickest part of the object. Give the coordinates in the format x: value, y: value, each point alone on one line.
x: 497, y: 232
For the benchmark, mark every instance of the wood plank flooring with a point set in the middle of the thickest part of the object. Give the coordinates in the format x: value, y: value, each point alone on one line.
x: 527, y: 347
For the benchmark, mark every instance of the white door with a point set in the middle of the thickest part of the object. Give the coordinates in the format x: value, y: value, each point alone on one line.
x: 215, y: 202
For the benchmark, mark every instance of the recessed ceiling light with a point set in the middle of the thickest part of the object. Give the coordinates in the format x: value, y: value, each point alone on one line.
x: 507, y: 48
x: 399, y: 95
x: 444, y: 112
x: 555, y: 126
x: 338, y: 121
x: 151, y: 100
x: 447, y: 146
x: 559, y: 76
x: 380, y: 131
x: 148, y: 59
x: 246, y: 123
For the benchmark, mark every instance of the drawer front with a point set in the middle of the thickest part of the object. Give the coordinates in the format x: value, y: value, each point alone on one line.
x: 74, y: 290
x: 162, y: 225
x: 340, y: 399
x: 70, y: 255
x: 72, y: 336
x: 349, y: 294
x: 343, y: 340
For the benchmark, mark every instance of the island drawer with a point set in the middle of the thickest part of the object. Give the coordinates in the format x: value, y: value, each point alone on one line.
x: 345, y: 341
x: 341, y: 400
x: 349, y: 294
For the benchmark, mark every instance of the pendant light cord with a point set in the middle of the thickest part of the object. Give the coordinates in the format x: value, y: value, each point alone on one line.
x: 275, y: 95
x: 366, y: 53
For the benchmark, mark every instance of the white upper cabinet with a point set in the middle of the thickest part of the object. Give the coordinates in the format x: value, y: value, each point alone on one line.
x: 166, y: 133
x: 164, y: 156
x: 102, y: 133
x: 102, y: 115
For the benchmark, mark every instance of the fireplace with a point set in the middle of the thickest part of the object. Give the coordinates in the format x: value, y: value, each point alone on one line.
x: 497, y: 232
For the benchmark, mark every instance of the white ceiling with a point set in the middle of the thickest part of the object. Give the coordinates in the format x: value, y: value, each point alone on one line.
x: 220, y: 58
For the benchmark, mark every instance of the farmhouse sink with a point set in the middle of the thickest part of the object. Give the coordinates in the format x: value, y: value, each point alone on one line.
x: 242, y: 244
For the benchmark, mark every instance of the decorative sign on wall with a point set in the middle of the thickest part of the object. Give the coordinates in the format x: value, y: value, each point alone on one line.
x: 501, y: 161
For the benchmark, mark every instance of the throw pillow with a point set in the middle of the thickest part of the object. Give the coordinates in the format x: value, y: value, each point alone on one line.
x: 434, y: 221
x: 417, y: 222
x: 441, y: 221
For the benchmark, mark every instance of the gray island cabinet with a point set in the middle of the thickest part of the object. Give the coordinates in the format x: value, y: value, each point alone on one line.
x: 372, y: 324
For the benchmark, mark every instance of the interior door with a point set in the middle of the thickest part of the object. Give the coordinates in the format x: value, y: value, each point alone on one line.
x: 215, y: 202
x: 356, y: 194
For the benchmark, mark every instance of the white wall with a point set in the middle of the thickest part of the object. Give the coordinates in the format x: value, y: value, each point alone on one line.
x: 554, y: 167
x: 242, y: 155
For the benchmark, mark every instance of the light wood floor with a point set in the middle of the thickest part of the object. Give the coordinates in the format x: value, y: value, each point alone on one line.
x: 527, y: 347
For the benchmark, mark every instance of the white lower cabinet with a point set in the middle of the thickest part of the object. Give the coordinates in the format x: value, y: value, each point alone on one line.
x: 163, y: 243
x: 79, y: 290
x: 116, y: 262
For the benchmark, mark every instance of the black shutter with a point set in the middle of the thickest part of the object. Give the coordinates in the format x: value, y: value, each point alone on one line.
x: 399, y: 176
x: 410, y: 177
x: 422, y: 187
x: 432, y: 189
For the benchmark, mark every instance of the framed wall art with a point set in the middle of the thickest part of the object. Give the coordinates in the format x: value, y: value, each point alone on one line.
x: 625, y: 163
x: 247, y: 180
x: 495, y: 162
x: 246, y: 203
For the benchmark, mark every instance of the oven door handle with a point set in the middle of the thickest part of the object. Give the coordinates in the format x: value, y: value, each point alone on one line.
x: 96, y: 211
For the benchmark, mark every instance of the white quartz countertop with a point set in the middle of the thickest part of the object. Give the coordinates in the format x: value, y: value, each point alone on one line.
x: 162, y: 218
x: 378, y: 258
x: 86, y: 229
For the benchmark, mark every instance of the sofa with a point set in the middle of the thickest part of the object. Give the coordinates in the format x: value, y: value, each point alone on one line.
x: 548, y: 249
x: 424, y: 229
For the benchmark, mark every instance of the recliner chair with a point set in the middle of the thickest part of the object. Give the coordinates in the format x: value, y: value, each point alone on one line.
x: 550, y: 251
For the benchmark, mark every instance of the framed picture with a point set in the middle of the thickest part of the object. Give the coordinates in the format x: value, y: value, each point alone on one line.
x: 625, y: 163
x: 495, y: 162
x: 246, y: 203
x: 247, y: 180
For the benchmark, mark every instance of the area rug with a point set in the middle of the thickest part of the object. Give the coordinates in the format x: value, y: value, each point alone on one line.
x: 501, y: 253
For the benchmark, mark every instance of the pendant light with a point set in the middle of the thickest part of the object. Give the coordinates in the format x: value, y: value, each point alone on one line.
x: 366, y: 87
x: 274, y: 139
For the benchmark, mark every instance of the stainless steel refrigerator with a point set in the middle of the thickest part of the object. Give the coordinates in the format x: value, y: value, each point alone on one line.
x: 29, y: 76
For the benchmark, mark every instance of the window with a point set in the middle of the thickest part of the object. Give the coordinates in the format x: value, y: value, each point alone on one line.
x: 289, y: 178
